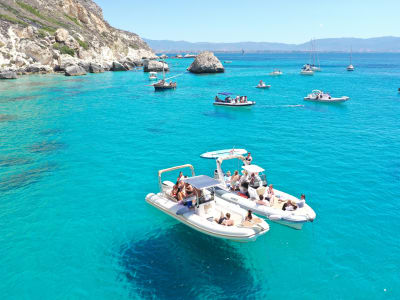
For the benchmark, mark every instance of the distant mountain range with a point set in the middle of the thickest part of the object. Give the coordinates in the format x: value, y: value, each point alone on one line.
x: 378, y: 44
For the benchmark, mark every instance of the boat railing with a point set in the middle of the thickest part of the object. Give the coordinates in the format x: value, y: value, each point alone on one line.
x: 160, y: 172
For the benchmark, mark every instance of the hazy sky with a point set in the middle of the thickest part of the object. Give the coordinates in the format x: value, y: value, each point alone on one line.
x: 288, y: 21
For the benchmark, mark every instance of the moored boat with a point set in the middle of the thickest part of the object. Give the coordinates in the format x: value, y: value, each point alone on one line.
x: 263, y: 85
x: 190, y: 56
x: 239, y: 101
x: 204, y: 211
x: 276, y: 72
x: 281, y: 207
x: 153, y: 76
x: 306, y: 70
x: 225, y: 152
x: 320, y: 96
x: 350, y: 67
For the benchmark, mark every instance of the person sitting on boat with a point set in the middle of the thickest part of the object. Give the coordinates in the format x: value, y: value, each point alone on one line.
x: 235, y: 180
x: 180, y: 176
x: 244, y: 177
x: 248, y: 159
x: 255, y: 180
x: 244, y: 189
x: 221, y: 218
x: 189, y: 190
x: 228, y: 99
x: 228, y: 221
x: 302, y: 201
x: 289, y: 206
x: 245, y: 99
x: 263, y: 201
x: 217, y: 99
x: 177, y: 191
x: 227, y: 178
x: 249, y: 216
x: 261, y: 83
x: 270, y: 194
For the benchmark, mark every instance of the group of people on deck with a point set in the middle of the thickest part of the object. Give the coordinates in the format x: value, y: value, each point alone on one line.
x: 241, y: 184
x: 228, y: 99
x: 182, y: 191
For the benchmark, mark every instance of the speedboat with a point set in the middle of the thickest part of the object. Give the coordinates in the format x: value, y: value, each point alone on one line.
x: 320, y: 96
x: 276, y: 72
x: 248, y: 200
x: 153, y: 76
x: 225, y: 152
x: 306, y: 70
x: 350, y: 68
x: 203, y: 210
x: 236, y: 102
x: 262, y: 85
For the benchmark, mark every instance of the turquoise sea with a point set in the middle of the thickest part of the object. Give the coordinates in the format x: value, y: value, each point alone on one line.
x: 78, y: 156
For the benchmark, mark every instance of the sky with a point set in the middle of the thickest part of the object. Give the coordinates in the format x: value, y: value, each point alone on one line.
x: 286, y: 21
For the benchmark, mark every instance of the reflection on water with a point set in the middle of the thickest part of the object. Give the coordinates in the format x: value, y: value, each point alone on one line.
x: 181, y: 263
x: 217, y: 114
x: 25, y: 178
x: 6, y: 118
x: 14, y: 161
x: 46, y: 146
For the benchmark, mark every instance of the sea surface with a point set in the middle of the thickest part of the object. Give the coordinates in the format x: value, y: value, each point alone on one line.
x: 78, y: 155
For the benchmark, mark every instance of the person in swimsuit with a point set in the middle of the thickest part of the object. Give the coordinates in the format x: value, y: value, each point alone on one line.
x: 221, y: 219
x: 261, y: 201
x: 235, y: 180
x: 248, y: 158
x: 189, y: 190
x: 228, y: 221
x: 249, y: 216
x: 289, y: 205
x: 270, y: 194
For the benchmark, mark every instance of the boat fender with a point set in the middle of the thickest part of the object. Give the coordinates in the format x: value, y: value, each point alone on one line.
x: 274, y: 217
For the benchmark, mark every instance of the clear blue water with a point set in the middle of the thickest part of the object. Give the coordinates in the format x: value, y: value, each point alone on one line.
x: 78, y: 155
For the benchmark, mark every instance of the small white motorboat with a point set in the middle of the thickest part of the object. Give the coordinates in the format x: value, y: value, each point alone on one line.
x: 205, y: 211
x: 276, y: 72
x: 262, y: 85
x: 239, y: 101
x: 320, y: 96
x: 247, y: 199
x: 306, y: 70
x: 190, y: 56
x: 225, y: 152
x: 153, y: 76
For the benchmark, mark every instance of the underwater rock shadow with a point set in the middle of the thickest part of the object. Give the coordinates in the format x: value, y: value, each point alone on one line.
x: 15, y: 161
x: 50, y: 131
x: 217, y: 114
x: 25, y: 178
x: 21, y: 98
x: 46, y: 146
x: 6, y: 118
x: 181, y: 263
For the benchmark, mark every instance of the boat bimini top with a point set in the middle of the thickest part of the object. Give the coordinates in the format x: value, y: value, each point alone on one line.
x: 173, y: 169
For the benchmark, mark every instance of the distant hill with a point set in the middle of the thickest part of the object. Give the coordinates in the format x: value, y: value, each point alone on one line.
x: 378, y: 44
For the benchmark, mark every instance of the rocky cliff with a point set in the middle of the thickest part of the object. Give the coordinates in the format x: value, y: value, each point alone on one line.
x: 51, y: 35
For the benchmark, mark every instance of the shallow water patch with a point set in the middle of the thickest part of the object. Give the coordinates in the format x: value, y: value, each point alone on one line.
x: 6, y: 118
x: 20, y: 98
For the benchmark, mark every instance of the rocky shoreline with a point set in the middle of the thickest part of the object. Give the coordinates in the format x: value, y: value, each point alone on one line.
x: 68, y: 36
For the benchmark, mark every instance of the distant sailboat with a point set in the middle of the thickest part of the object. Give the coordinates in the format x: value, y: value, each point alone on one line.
x: 315, y: 58
x: 350, y: 67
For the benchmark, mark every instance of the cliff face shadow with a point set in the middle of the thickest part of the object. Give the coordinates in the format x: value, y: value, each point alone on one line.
x: 25, y: 178
x: 181, y: 263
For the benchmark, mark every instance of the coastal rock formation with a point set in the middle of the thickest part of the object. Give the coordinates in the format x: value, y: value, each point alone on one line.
x: 8, y: 75
x: 117, y: 66
x: 75, y: 71
x: 155, y: 66
x: 95, y: 68
x: 206, y: 62
x: 45, y: 36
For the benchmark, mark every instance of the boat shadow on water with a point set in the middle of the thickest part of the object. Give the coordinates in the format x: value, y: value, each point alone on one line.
x: 181, y: 263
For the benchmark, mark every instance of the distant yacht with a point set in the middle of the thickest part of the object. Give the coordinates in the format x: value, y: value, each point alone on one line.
x: 306, y: 70
x: 350, y: 67
x: 276, y: 72
x: 190, y: 56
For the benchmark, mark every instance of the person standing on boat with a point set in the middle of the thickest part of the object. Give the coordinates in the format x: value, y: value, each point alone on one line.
x: 248, y: 158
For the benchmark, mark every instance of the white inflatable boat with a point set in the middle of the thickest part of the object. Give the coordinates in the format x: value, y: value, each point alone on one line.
x: 320, y: 96
x: 248, y: 199
x: 235, y: 104
x: 207, y: 209
x: 225, y: 152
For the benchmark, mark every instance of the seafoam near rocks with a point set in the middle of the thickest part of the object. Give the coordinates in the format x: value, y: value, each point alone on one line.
x: 56, y: 34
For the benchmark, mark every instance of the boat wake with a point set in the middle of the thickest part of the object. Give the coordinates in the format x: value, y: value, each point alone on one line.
x: 285, y: 105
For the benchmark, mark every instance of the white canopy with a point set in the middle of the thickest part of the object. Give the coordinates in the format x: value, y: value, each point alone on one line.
x: 253, y: 168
